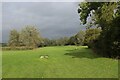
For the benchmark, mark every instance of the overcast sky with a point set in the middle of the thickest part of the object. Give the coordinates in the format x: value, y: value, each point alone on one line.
x: 53, y: 19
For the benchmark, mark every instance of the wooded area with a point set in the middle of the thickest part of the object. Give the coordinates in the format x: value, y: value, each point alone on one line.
x: 105, y: 15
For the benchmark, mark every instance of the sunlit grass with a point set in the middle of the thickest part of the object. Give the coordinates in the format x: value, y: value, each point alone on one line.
x: 63, y: 62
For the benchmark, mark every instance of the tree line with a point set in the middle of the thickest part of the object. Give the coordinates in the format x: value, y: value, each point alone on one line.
x: 30, y: 37
x: 105, y: 15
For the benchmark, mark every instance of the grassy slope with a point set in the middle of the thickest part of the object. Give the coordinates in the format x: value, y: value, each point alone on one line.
x: 63, y: 62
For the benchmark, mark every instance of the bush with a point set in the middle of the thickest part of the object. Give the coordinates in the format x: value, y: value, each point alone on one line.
x: 17, y: 48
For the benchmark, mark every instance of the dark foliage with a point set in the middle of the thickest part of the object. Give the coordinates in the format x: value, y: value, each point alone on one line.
x: 107, y: 16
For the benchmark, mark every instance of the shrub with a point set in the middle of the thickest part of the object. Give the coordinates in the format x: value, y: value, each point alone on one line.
x: 17, y: 48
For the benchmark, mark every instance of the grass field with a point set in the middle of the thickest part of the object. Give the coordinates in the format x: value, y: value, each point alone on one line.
x: 63, y: 62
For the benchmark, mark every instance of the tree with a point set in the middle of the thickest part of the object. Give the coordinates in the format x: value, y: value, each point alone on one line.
x: 79, y: 38
x: 107, y: 16
x: 65, y: 40
x: 13, y: 38
x: 56, y: 42
x: 91, y: 35
x: 46, y: 42
x: 62, y: 41
x: 30, y: 36
x: 72, y: 40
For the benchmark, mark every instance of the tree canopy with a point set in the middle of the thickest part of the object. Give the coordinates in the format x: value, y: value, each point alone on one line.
x: 107, y: 16
x: 13, y: 38
x: 28, y: 36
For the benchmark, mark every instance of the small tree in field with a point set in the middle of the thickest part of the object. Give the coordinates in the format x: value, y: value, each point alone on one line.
x: 13, y: 38
x: 30, y: 36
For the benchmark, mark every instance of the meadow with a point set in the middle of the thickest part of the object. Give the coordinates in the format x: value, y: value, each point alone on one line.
x: 63, y: 62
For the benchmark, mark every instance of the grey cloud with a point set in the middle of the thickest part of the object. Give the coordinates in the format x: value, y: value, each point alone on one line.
x: 54, y: 19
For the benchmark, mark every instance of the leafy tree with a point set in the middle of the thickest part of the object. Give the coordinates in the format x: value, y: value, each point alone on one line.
x: 47, y: 42
x: 107, y: 16
x: 72, y: 40
x: 30, y: 36
x: 91, y: 35
x: 62, y: 41
x: 79, y: 38
x: 56, y: 42
x: 13, y: 38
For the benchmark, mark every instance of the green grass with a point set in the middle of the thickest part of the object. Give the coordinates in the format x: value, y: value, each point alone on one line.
x: 63, y: 62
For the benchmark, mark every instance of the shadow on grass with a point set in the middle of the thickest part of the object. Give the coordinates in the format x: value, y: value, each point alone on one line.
x: 82, y: 53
